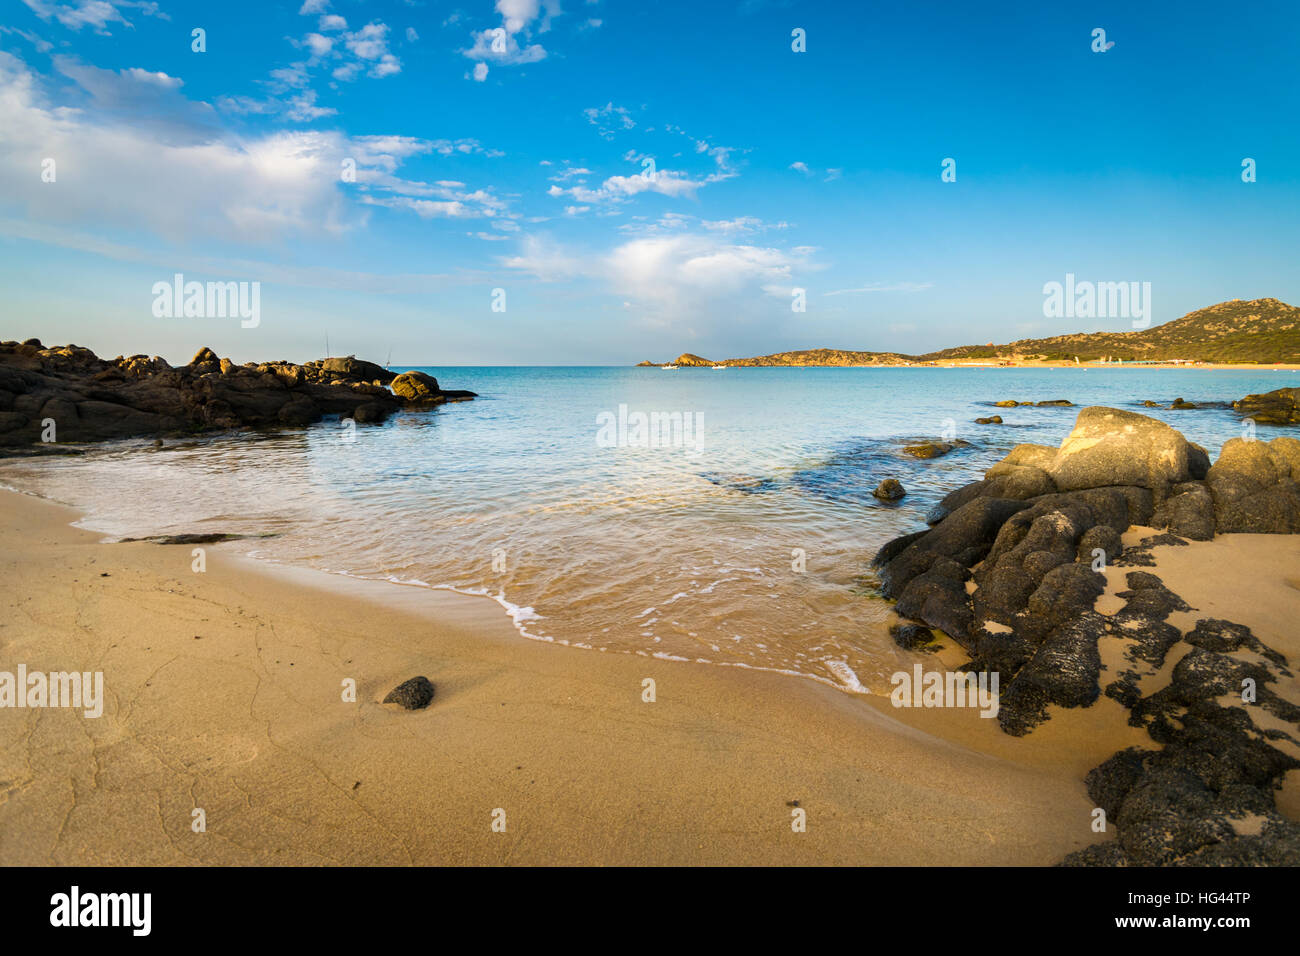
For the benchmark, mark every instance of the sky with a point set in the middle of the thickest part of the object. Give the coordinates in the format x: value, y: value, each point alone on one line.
x: 568, y: 182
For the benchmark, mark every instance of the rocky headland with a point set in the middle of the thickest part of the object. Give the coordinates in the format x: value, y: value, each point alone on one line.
x: 1235, y: 332
x: 1011, y: 569
x: 68, y: 394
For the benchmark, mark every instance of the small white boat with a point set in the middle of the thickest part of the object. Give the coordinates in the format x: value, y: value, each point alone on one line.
x: 669, y: 366
x: 719, y: 366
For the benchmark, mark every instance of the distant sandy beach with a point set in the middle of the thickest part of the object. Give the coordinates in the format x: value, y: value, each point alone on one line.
x: 223, y: 692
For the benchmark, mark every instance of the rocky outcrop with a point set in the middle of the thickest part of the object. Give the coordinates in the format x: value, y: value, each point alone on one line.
x: 933, y: 449
x: 1050, y: 403
x: 1278, y: 407
x: 1206, y: 798
x: 1011, y: 569
x: 67, y: 394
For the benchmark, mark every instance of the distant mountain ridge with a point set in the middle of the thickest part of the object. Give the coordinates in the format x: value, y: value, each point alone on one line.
x: 1261, y: 331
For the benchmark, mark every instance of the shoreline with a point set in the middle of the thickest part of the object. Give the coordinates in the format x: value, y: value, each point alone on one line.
x: 223, y: 693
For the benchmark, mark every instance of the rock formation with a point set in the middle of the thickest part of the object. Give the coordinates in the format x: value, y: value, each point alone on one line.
x: 1278, y: 407
x: 88, y: 399
x: 1032, y: 536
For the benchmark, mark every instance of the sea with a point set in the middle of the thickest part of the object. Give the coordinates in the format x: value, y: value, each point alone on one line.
x: 724, y: 516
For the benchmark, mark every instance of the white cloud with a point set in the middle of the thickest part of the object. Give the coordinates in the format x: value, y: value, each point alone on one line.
x: 480, y: 72
x: 501, y: 44
x: 883, y: 287
x: 616, y: 189
x: 178, y: 188
x: 194, y: 181
x: 503, y: 48
x: 609, y: 118
x: 831, y: 174
x: 302, y: 108
x: 311, y: 7
x: 148, y: 99
x: 679, y: 275
x: 96, y: 14
x: 319, y: 45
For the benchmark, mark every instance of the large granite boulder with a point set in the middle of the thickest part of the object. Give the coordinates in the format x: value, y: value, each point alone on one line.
x: 1109, y: 446
x: 1254, y: 485
x: 417, y: 387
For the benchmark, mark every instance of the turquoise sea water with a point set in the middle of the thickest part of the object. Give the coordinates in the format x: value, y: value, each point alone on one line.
x: 743, y: 542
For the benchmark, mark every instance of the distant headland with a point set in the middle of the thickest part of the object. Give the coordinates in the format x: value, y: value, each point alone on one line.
x: 1237, y: 332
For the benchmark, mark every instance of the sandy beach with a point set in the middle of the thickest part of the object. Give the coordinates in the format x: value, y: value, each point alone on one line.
x: 224, y: 692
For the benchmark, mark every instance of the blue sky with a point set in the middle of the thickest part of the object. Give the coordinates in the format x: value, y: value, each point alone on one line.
x: 521, y: 168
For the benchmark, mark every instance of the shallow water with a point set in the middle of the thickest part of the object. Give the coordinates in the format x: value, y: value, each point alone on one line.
x: 744, y: 542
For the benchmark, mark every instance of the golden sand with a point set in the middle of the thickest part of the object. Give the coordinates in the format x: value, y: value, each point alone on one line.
x: 225, y: 693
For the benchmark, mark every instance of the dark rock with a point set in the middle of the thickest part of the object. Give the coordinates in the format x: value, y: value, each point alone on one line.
x: 1188, y: 511
x: 1179, y: 403
x: 371, y: 412
x: 991, y: 420
x: 913, y: 637
x: 1054, y: 403
x: 414, y: 694
x: 1064, y: 671
x: 205, y: 537
x: 91, y: 399
x: 352, y: 369
x: 1198, y: 461
x: 929, y: 449
x: 1278, y: 407
x: 1254, y: 487
x: 1016, y: 482
x: 896, y: 546
x: 1101, y: 538
x: 1066, y: 593
x: 891, y: 489
x: 1110, y: 782
x: 937, y: 596
x: 299, y: 411
x: 965, y: 535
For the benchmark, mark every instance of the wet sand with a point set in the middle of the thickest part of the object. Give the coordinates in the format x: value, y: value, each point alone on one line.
x: 224, y: 692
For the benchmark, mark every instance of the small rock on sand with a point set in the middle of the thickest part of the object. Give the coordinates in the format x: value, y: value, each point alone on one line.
x: 414, y: 694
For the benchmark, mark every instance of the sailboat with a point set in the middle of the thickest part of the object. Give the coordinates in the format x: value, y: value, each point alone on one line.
x: 719, y: 366
x: 669, y: 366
